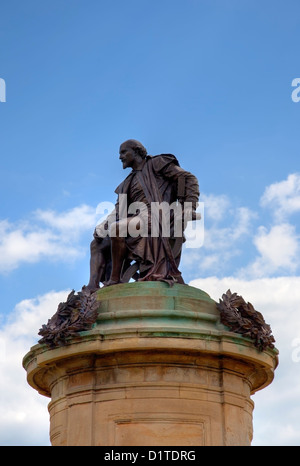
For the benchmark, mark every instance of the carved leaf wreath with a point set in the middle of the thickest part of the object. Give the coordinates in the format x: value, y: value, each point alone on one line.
x: 78, y: 313
x: 241, y: 317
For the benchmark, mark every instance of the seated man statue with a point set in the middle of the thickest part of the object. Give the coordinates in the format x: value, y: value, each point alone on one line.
x: 154, y: 203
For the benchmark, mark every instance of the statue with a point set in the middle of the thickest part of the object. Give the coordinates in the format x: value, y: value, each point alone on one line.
x: 142, y: 238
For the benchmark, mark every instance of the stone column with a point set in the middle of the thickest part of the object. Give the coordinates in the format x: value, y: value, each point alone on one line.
x: 157, y: 369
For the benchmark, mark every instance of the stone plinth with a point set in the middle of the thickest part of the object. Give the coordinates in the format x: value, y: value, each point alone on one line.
x: 157, y: 369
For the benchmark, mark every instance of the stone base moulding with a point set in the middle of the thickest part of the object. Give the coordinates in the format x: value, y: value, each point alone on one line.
x: 156, y: 369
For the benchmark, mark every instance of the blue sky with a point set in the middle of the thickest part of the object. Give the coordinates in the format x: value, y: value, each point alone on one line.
x: 209, y: 81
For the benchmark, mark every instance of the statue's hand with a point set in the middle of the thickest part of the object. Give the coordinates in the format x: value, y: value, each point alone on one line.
x: 190, y: 214
x: 196, y: 215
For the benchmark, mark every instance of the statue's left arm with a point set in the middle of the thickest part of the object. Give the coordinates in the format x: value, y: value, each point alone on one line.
x: 188, y: 187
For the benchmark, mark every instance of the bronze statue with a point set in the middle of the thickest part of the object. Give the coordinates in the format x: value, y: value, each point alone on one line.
x: 134, y: 243
x: 131, y: 242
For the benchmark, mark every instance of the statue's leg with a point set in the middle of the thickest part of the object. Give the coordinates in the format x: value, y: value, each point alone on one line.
x: 97, y: 264
x: 118, y: 232
x: 118, y: 256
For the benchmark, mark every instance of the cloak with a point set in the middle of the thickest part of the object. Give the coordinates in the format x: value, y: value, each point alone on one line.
x: 159, y: 179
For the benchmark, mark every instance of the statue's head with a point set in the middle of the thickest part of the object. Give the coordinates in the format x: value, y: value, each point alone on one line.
x: 130, y: 151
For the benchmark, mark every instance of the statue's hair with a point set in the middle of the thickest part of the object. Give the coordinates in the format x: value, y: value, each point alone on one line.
x: 137, y: 147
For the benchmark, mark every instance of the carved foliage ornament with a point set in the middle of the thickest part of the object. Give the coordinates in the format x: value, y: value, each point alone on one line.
x: 241, y: 317
x: 78, y: 313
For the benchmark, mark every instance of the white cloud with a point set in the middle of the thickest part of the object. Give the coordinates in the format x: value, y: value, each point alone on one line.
x: 219, y: 237
x: 24, y: 418
x: 216, y: 207
x: 20, y: 244
x: 278, y: 251
x: 279, y: 246
x: 222, y: 236
x: 277, y: 410
x: 48, y: 235
x: 283, y: 197
x: 72, y: 222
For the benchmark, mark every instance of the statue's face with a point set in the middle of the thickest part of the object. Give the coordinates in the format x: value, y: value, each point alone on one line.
x: 127, y: 155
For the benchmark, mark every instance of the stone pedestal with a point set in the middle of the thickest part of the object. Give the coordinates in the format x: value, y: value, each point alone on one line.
x: 157, y: 369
